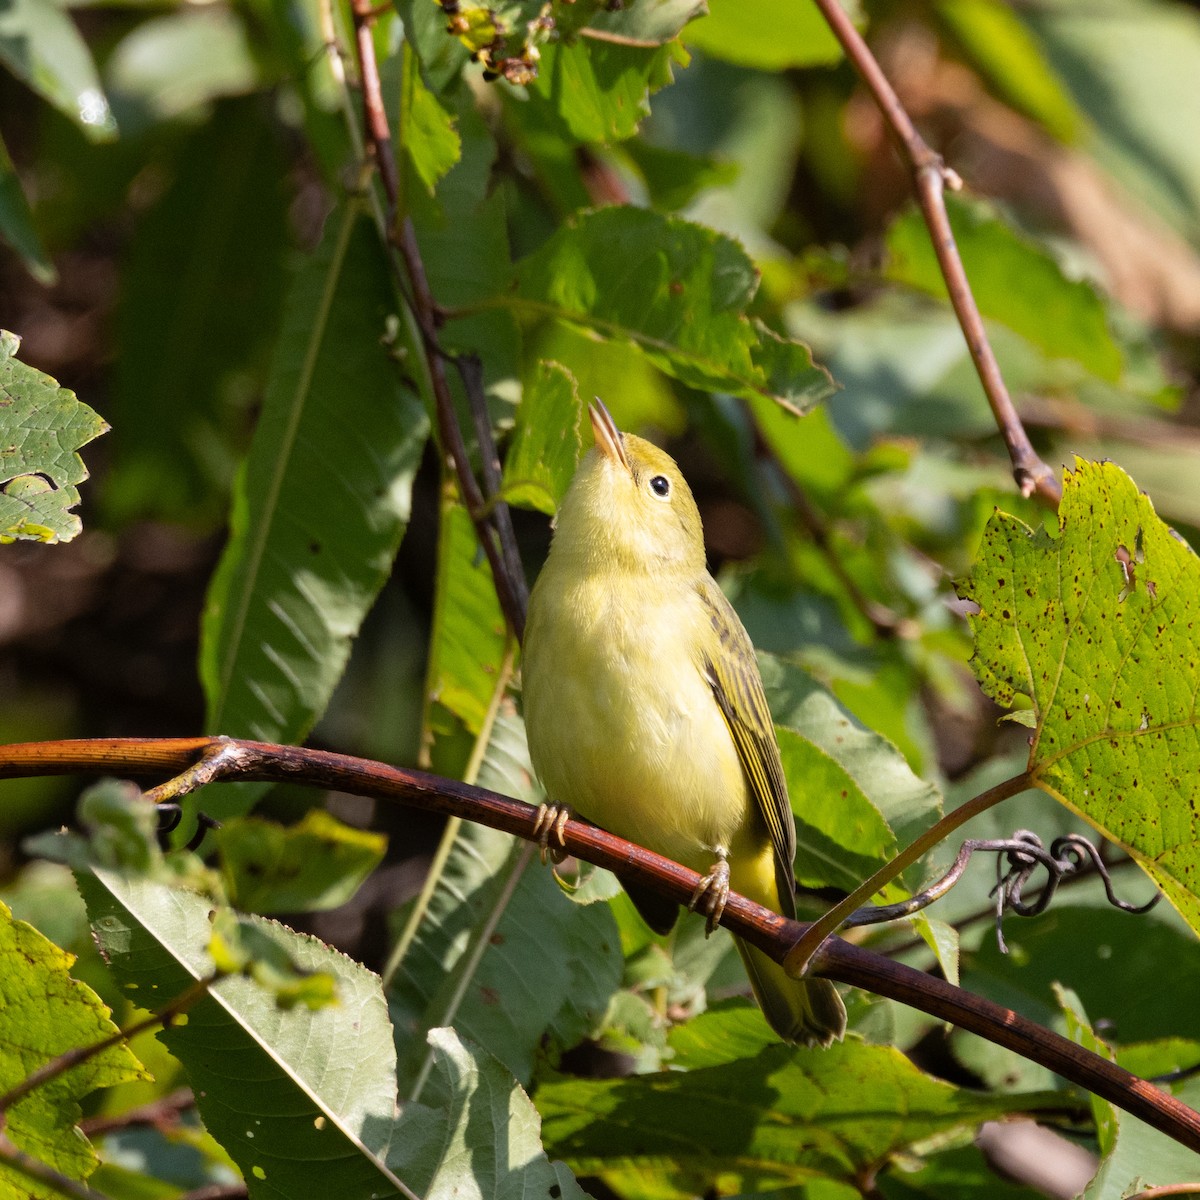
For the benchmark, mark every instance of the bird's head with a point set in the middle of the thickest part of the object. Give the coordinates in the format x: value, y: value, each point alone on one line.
x: 629, y: 505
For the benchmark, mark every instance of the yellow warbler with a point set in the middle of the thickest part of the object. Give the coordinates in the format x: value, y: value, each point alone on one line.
x: 645, y: 709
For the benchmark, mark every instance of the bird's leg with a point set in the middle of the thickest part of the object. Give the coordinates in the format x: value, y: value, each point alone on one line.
x: 712, y: 892
x: 552, y: 821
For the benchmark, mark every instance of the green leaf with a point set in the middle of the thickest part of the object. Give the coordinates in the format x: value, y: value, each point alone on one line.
x: 427, y: 131
x: 41, y: 46
x: 546, y: 441
x: 321, y: 503
x: 1014, y: 281
x: 17, y: 226
x: 599, y: 90
x: 1012, y: 63
x: 484, y: 1141
x: 677, y: 291
x: 856, y: 799
x: 176, y: 64
x: 1138, y: 59
x: 196, y: 339
x: 42, y: 426
x: 755, y: 1117
x: 1095, y: 627
x: 647, y: 23
x: 469, y: 634
x: 765, y: 34
x: 314, y: 865
x: 548, y: 971
x: 1133, y: 1156
x: 303, y: 1101
x: 45, y: 1013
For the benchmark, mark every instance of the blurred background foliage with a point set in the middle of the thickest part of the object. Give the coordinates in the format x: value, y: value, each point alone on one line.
x: 182, y: 194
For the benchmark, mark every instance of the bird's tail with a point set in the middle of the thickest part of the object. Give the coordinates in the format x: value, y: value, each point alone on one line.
x: 808, y: 1011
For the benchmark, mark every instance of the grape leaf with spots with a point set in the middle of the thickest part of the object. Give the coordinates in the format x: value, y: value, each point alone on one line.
x: 1099, y: 628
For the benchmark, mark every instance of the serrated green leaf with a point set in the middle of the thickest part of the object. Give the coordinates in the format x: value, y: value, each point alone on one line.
x: 17, y: 226
x: 600, y: 91
x: 765, y: 34
x: 677, y: 291
x: 42, y: 426
x: 43, y: 1014
x: 856, y: 799
x: 1014, y: 281
x: 1096, y: 626
x: 428, y: 133
x: 756, y: 1121
x: 316, y: 864
x: 303, y: 1101
x: 41, y: 46
x: 546, y: 441
x: 321, y: 504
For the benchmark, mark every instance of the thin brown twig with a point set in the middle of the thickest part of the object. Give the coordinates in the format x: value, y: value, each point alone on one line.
x: 492, y: 520
x: 776, y: 935
x: 931, y: 176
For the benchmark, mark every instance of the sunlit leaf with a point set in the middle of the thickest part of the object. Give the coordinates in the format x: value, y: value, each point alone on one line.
x: 601, y: 91
x: 41, y: 46
x: 427, y: 131
x: 546, y: 441
x: 45, y: 1013
x: 677, y: 291
x: 322, y: 500
x: 483, y: 1141
x: 1095, y: 628
x: 42, y: 427
x: 302, y: 1100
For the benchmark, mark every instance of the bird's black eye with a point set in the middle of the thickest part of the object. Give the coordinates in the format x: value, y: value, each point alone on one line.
x: 660, y: 485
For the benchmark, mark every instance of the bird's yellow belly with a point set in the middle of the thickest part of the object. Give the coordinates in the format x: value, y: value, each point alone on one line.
x: 670, y: 778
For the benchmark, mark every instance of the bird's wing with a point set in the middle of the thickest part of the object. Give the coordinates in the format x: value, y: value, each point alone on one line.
x: 737, y: 686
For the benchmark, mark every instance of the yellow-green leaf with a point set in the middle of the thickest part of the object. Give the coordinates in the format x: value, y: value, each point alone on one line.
x: 1099, y: 628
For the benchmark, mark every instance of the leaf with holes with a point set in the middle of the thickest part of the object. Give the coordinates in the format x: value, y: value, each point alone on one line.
x: 1098, y: 628
x: 42, y: 427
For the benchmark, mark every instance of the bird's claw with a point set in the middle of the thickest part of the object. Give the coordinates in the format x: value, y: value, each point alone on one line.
x: 711, y: 894
x: 552, y: 821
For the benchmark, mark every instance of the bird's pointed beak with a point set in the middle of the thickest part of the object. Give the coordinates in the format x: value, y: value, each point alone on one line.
x: 608, y: 437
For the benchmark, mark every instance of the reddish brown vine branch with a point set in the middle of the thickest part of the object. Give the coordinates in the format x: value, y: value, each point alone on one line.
x: 931, y: 177
x: 227, y: 759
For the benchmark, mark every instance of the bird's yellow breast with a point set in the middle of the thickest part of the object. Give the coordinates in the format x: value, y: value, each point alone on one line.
x: 623, y: 725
